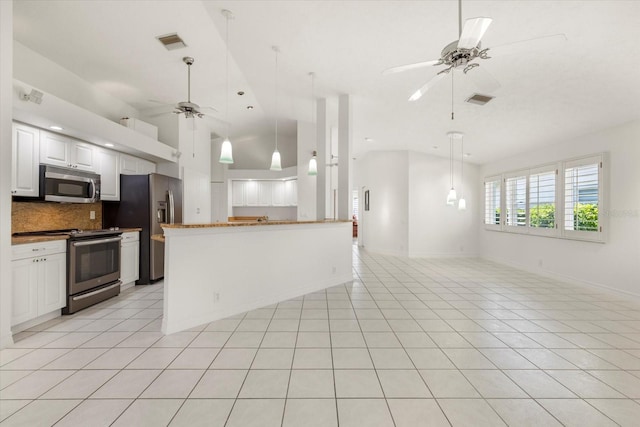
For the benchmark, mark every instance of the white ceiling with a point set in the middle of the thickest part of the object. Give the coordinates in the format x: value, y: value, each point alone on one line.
x: 587, y: 83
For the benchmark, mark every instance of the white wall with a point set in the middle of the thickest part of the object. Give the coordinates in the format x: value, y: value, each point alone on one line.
x: 436, y: 229
x: 6, y: 106
x: 33, y: 68
x: 614, y: 264
x: 384, y: 227
x: 255, y: 152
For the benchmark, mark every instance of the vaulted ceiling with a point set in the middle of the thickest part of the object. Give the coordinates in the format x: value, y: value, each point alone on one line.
x: 546, y: 94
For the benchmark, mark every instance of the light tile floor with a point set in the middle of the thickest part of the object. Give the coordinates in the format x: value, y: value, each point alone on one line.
x: 410, y: 342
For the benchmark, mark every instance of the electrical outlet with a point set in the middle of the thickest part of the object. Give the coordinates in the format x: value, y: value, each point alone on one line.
x: 92, y: 214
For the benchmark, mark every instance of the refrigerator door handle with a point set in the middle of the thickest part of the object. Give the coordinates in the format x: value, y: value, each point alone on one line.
x: 171, y: 207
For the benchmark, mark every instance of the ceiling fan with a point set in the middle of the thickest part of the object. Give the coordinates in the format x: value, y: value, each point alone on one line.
x: 188, y: 108
x: 461, y: 54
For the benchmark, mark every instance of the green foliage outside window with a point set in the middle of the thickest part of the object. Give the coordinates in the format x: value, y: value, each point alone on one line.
x: 543, y: 216
x: 585, y: 217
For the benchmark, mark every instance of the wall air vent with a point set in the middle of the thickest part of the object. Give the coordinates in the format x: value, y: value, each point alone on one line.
x: 479, y: 99
x: 172, y: 41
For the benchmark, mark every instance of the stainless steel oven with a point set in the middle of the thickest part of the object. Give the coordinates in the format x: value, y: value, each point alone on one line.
x: 93, y: 268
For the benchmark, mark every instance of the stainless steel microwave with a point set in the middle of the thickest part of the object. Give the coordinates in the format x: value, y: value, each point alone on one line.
x: 68, y: 185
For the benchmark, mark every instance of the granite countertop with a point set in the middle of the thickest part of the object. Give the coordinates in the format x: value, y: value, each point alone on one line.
x: 21, y: 240
x: 157, y: 237
x: 250, y: 223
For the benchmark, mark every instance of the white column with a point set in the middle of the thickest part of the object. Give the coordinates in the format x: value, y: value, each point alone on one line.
x: 6, y: 106
x: 344, y: 157
x: 306, y: 183
x: 321, y: 141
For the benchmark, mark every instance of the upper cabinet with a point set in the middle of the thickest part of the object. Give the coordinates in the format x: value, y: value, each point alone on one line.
x: 60, y: 150
x: 130, y: 165
x: 264, y: 193
x: 25, y: 149
x: 32, y: 146
x: 108, y: 166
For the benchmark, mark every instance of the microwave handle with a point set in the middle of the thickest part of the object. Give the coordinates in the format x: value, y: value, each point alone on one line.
x: 94, y: 195
x: 171, y: 207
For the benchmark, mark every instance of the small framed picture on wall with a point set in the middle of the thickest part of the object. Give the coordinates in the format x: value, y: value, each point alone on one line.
x: 366, y: 200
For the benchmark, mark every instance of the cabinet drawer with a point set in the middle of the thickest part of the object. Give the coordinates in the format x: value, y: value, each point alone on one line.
x: 131, y: 236
x: 30, y: 250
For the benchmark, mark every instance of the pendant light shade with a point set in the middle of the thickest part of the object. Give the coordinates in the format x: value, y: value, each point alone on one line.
x: 275, y: 161
x: 226, y: 153
x: 462, y: 204
x: 451, y: 197
x: 313, y: 165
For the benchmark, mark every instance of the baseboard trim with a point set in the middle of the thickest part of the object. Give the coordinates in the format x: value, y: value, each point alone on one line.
x: 564, y: 278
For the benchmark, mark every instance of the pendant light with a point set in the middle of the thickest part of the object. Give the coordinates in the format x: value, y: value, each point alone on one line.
x: 451, y: 196
x: 226, y: 152
x: 275, y: 158
x: 462, y: 203
x: 313, y: 163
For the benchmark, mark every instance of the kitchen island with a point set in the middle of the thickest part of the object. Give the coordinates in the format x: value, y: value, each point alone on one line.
x: 213, y: 271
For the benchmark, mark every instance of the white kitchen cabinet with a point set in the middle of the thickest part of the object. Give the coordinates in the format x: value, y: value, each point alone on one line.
x: 25, y: 154
x: 131, y: 165
x: 291, y: 192
x: 38, y: 279
x: 129, y: 258
x: 277, y: 193
x: 60, y: 150
x: 251, y: 193
x: 264, y: 193
x: 237, y: 193
x: 108, y: 166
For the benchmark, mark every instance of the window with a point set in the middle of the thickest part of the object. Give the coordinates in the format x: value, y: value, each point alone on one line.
x: 492, y: 201
x: 542, y: 199
x: 562, y: 200
x: 516, y: 201
x: 582, y: 184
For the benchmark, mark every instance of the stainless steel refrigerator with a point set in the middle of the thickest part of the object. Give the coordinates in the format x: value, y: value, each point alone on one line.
x: 146, y: 201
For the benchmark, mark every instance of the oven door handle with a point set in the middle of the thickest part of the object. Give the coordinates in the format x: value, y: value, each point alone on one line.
x: 96, y: 242
x: 90, y: 294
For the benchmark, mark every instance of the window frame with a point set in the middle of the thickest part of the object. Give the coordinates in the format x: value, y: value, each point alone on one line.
x: 560, y: 167
x: 497, y: 226
x: 599, y: 234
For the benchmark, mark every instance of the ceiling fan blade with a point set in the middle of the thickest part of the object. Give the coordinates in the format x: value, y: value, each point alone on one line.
x: 428, y: 85
x: 410, y: 66
x: 530, y: 45
x: 210, y: 108
x: 472, y: 32
x: 483, y: 79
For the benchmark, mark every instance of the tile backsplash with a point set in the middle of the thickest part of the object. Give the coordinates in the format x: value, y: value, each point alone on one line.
x: 38, y: 216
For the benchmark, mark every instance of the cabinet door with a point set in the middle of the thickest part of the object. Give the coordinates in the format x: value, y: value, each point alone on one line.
x: 251, y: 193
x: 109, y: 170
x: 237, y: 193
x: 83, y: 156
x: 54, y: 149
x: 277, y: 193
x: 128, y: 165
x: 145, y: 167
x: 129, y: 264
x: 264, y: 193
x: 291, y: 193
x: 25, y: 290
x: 25, y: 153
x: 52, y: 286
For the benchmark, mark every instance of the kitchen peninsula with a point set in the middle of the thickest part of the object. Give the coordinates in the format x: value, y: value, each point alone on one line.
x: 217, y: 270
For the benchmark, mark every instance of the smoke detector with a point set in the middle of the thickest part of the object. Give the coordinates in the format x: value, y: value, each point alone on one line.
x: 479, y: 99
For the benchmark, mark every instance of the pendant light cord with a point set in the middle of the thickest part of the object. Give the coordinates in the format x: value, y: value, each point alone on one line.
x: 461, y: 167
x: 276, y: 84
x: 452, y: 94
x: 227, y: 76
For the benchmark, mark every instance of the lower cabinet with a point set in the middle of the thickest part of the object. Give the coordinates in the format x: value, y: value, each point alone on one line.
x: 129, y: 258
x: 38, y: 282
